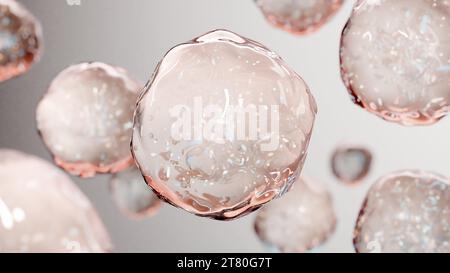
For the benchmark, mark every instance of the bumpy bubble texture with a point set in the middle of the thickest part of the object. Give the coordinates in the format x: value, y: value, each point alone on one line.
x: 132, y: 195
x: 395, y: 57
x: 405, y: 212
x: 351, y: 164
x: 228, y: 174
x: 41, y: 209
x: 299, y: 16
x: 86, y: 118
x: 20, y: 39
x: 299, y: 221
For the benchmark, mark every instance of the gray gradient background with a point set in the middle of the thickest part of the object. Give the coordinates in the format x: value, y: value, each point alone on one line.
x: 136, y: 33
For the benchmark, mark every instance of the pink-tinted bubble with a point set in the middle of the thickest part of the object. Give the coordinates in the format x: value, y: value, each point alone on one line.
x: 41, y: 209
x: 395, y: 59
x: 20, y: 39
x: 351, y: 164
x: 132, y: 195
x: 405, y: 211
x: 86, y: 118
x: 301, y: 220
x: 299, y: 16
x: 223, y: 126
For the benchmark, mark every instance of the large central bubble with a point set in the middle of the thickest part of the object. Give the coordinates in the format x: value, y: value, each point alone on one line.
x: 223, y: 126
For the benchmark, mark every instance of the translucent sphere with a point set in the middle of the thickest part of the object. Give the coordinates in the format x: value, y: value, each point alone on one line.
x: 351, y: 164
x: 395, y: 59
x: 299, y: 16
x: 41, y: 209
x: 299, y: 221
x: 223, y: 126
x: 132, y: 195
x: 20, y: 39
x: 406, y: 211
x: 86, y: 118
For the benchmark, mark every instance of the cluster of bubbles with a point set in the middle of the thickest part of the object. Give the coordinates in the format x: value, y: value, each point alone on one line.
x: 396, y: 68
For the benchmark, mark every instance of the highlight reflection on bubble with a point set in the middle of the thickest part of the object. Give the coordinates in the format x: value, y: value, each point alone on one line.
x: 223, y: 126
x: 300, y: 221
x: 86, y: 118
x: 41, y: 209
x: 406, y: 211
x: 395, y: 59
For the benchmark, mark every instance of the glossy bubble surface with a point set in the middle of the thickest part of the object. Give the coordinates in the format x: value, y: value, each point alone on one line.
x: 41, y: 209
x: 132, y: 195
x: 351, y: 164
x: 405, y: 212
x: 299, y: 16
x: 86, y: 118
x: 395, y: 58
x: 192, y: 141
x: 299, y: 221
x: 20, y: 39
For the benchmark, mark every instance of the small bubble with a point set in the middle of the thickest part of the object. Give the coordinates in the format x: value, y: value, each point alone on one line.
x: 301, y: 220
x: 132, y: 195
x: 299, y: 16
x: 351, y: 164
x: 20, y: 39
